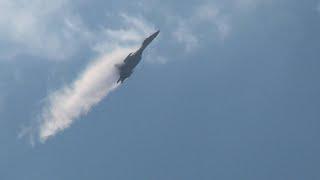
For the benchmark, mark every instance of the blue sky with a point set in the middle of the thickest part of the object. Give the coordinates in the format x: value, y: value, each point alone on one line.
x: 229, y: 90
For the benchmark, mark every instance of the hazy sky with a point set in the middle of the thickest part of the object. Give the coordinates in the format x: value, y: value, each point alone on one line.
x: 229, y: 90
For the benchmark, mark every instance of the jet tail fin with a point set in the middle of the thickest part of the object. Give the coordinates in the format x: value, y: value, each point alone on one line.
x: 120, y: 80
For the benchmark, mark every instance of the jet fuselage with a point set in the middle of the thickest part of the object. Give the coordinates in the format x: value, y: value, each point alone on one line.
x: 132, y: 60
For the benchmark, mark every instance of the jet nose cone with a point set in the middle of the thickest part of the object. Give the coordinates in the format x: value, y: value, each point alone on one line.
x: 147, y: 41
x: 154, y: 35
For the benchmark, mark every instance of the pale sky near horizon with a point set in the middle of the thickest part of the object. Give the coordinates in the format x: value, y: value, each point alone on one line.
x: 229, y: 90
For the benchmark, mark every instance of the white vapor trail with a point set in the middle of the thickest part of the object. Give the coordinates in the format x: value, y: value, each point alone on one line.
x: 72, y: 101
x: 64, y: 106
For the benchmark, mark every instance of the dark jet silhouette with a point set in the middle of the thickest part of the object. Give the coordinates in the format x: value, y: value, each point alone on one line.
x: 132, y: 60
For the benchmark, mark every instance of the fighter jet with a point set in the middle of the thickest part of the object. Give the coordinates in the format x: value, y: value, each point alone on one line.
x: 132, y: 60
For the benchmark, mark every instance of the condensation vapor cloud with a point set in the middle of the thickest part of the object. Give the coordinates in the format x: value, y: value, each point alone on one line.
x: 70, y: 102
